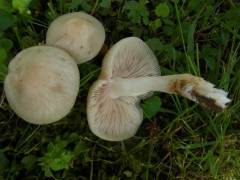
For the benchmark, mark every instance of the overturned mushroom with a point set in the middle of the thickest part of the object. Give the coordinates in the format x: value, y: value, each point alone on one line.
x: 129, y: 72
x: 42, y: 84
x: 80, y: 34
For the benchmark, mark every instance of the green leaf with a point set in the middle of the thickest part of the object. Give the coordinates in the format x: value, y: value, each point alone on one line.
x: 151, y: 106
x: 57, y: 157
x: 231, y: 18
x: 6, y: 44
x: 3, y: 56
x: 137, y: 12
x: 128, y: 174
x: 47, y: 172
x: 3, y: 161
x: 21, y: 5
x: 196, y: 5
x: 190, y: 38
x: 28, y: 41
x: 6, y: 5
x: 29, y: 161
x: 162, y: 10
x: 85, y: 5
x: 157, y: 23
x: 155, y: 44
x: 3, y: 65
x: 209, y: 54
x: 61, y: 162
x: 212, y: 162
x: 105, y: 4
x: 7, y: 20
x: 81, y: 147
x: 170, y: 51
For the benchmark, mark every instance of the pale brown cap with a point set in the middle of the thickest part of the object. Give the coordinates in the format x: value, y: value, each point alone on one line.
x: 78, y: 33
x: 42, y: 84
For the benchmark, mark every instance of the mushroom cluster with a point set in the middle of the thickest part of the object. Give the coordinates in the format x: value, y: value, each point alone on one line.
x: 43, y: 81
x: 129, y: 73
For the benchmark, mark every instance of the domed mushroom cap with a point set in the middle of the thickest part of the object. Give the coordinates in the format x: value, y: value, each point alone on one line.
x: 80, y: 34
x: 118, y: 119
x: 42, y: 84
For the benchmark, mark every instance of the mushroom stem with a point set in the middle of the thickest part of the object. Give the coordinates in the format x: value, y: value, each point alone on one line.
x: 187, y: 85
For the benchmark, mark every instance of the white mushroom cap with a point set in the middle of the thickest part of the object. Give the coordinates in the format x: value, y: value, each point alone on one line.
x: 42, y: 84
x: 80, y: 34
x: 118, y: 119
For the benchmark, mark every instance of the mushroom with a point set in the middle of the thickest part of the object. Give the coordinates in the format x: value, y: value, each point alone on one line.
x: 42, y: 84
x: 80, y: 34
x: 129, y: 73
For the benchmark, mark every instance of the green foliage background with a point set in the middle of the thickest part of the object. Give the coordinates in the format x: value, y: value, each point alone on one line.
x: 178, y: 139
